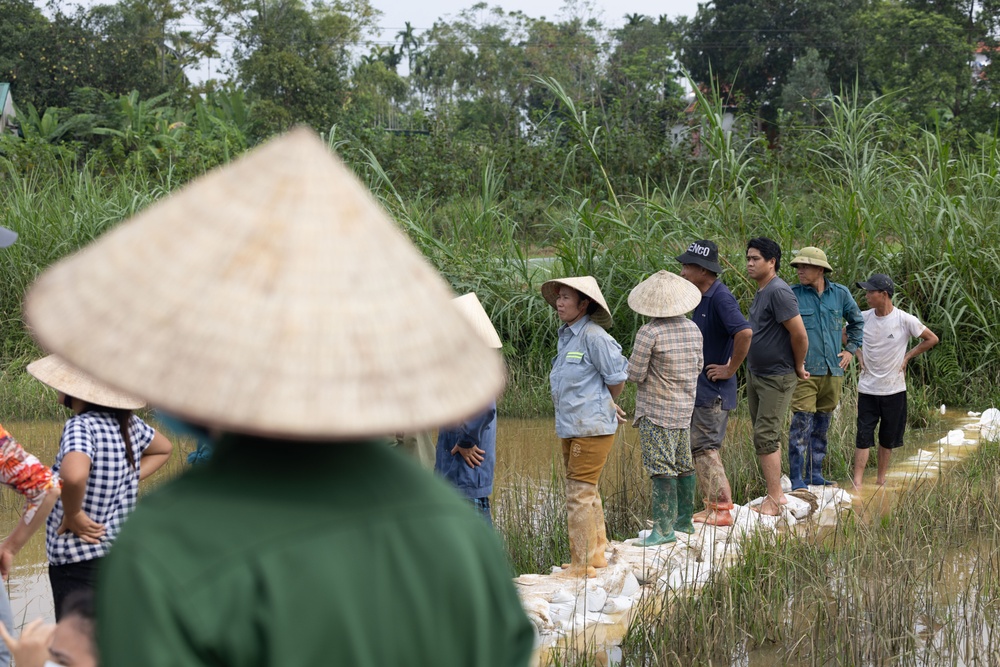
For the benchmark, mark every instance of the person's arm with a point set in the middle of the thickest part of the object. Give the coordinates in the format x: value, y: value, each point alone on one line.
x: 75, y: 471
x: 741, y: 345
x: 31, y: 649
x: 853, y: 332
x: 800, y: 344
x: 471, y: 437
x: 24, y: 530
x: 928, y: 340
x: 638, y: 363
x: 155, y: 455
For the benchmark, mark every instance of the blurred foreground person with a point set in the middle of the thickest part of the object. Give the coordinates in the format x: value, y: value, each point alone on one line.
x: 26, y: 475
x: 273, y: 303
x: 467, y: 452
x: 104, y: 452
x: 70, y: 643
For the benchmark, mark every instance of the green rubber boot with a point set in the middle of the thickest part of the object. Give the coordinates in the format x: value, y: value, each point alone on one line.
x: 664, y: 512
x: 685, y: 504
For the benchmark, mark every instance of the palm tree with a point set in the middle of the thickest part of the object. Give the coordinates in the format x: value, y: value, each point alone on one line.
x: 409, y: 42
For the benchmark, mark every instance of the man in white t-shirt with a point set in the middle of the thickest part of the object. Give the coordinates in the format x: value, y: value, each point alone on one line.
x: 882, y: 385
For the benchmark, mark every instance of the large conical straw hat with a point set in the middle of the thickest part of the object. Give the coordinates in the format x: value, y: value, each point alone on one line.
x: 474, y: 313
x: 589, y: 287
x: 274, y: 297
x: 664, y: 294
x: 59, y: 375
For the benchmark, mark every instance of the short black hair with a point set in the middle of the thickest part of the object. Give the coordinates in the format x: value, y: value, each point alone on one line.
x: 592, y: 306
x: 80, y: 603
x: 768, y: 248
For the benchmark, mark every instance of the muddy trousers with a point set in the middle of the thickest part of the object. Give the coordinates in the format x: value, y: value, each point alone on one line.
x: 807, y: 439
x: 587, y: 533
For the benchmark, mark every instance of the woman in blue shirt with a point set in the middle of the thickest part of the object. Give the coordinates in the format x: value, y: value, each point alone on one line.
x: 588, y: 374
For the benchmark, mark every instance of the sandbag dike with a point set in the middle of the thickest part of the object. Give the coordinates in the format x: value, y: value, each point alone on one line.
x: 593, y: 615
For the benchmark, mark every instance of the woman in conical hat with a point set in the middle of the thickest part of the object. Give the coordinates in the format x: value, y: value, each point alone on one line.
x: 588, y: 373
x: 467, y: 452
x: 273, y: 303
x: 665, y: 363
x: 104, y: 452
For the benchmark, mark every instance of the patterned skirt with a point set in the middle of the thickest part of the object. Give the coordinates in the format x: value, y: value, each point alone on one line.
x: 665, y: 451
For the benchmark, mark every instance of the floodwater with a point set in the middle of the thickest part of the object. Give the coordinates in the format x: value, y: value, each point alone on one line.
x: 527, y: 450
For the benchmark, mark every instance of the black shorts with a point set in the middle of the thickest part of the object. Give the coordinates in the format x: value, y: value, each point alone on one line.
x: 890, y: 411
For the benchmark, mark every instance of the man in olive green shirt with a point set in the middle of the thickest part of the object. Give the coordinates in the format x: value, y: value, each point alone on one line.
x: 263, y: 517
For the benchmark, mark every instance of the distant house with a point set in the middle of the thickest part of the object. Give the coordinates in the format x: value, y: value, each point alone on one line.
x: 6, y: 109
x: 982, y: 60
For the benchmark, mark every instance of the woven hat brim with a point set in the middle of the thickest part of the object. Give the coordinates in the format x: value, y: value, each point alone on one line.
x: 61, y: 376
x: 472, y: 310
x: 271, y: 297
x: 588, y: 286
x: 664, y: 294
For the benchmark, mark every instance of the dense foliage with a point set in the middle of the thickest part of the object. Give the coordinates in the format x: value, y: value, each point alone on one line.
x: 512, y: 147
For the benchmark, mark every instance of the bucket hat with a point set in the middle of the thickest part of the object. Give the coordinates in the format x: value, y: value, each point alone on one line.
x: 587, y: 285
x: 474, y: 313
x: 270, y: 297
x: 7, y: 237
x: 811, y: 256
x: 703, y: 253
x: 664, y: 294
x: 56, y: 373
x: 879, y: 282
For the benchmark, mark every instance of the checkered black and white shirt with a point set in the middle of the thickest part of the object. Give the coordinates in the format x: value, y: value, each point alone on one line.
x: 111, y: 488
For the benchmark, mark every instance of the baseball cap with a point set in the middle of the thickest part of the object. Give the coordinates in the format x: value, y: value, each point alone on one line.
x: 879, y: 282
x: 704, y: 254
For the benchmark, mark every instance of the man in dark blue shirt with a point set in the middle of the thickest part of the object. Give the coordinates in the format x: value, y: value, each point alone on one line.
x: 726, y: 335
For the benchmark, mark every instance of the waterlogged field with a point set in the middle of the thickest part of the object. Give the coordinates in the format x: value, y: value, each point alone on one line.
x: 912, y: 578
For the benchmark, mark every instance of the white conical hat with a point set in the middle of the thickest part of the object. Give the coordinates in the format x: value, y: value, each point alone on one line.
x: 664, y: 294
x: 588, y: 286
x: 59, y: 375
x: 474, y: 313
x: 272, y: 296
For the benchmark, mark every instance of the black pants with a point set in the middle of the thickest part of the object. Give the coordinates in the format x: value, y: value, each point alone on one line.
x: 71, y: 577
x: 886, y: 412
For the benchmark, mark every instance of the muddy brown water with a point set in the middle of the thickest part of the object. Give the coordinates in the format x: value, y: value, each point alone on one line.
x: 526, y: 448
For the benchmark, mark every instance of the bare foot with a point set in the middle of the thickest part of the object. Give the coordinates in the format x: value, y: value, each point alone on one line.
x: 700, y: 517
x: 769, y: 507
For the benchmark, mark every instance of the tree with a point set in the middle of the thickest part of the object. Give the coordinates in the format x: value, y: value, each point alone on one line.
x: 750, y: 47
x: 294, y: 60
x: 807, y: 91
x: 922, y: 58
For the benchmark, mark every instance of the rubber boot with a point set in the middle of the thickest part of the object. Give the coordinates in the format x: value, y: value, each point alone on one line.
x: 599, y: 560
x: 798, y: 445
x: 582, y: 527
x: 718, y: 496
x: 817, y: 450
x: 685, y: 503
x: 718, y: 514
x: 664, y: 512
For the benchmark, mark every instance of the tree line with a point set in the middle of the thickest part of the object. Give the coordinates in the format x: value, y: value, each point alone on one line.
x: 117, y: 79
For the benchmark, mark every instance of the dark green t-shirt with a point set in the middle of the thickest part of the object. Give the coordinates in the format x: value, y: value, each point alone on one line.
x: 283, y: 553
x: 771, y: 346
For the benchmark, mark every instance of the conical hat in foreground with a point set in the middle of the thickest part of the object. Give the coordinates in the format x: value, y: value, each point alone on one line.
x: 272, y: 297
x: 474, y: 313
x: 59, y: 375
x: 588, y: 286
x: 664, y: 294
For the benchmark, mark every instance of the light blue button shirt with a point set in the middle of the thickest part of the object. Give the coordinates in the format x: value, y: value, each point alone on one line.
x: 586, y: 362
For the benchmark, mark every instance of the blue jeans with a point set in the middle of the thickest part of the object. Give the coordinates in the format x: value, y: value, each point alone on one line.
x: 7, y: 618
x: 483, y: 506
